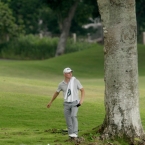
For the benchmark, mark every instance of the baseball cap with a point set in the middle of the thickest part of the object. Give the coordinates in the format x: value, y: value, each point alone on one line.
x: 67, y: 70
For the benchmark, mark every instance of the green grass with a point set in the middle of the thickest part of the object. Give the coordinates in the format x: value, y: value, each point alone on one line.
x: 27, y: 86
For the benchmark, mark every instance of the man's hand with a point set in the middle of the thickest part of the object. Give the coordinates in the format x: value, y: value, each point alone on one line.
x: 48, y: 105
x: 78, y: 105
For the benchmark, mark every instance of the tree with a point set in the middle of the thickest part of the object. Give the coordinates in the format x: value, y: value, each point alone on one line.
x: 140, y: 12
x: 26, y: 13
x: 49, y: 21
x: 8, y: 27
x: 122, y: 117
x: 65, y: 27
x: 65, y: 11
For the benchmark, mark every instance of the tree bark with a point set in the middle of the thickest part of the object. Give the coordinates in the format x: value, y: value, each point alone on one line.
x: 65, y: 30
x: 121, y: 70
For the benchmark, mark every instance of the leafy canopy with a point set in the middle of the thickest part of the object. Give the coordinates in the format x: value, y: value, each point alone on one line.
x: 7, y: 22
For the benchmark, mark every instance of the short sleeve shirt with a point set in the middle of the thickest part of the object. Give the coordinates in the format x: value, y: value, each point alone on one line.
x: 77, y: 86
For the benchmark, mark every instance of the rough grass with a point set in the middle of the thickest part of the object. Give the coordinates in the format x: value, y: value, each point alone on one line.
x: 27, y: 86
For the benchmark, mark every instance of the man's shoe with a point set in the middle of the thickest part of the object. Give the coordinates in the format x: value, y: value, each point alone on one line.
x: 73, y: 135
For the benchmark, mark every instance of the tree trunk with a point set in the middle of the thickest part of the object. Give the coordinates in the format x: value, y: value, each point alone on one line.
x: 65, y: 30
x: 121, y: 70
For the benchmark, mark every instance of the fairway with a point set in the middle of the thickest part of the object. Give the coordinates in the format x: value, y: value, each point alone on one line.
x: 27, y: 86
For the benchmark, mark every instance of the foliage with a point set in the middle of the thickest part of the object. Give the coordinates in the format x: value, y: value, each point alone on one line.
x: 84, y: 10
x: 78, y: 46
x: 140, y: 12
x: 60, y: 7
x: 26, y: 13
x: 8, y: 28
x: 31, y: 47
x: 49, y: 21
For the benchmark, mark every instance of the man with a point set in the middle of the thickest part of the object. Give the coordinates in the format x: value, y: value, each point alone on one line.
x: 70, y: 86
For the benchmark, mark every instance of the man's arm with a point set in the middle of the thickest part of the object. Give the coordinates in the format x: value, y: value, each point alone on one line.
x: 82, y: 95
x: 53, y: 98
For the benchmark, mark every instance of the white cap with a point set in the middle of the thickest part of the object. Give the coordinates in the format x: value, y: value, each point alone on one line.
x: 67, y: 70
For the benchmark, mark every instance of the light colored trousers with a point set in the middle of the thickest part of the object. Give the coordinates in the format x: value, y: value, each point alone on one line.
x: 70, y: 113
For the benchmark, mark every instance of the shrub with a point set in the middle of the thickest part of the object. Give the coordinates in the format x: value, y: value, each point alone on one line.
x: 32, y: 47
x: 78, y: 46
x: 29, y: 47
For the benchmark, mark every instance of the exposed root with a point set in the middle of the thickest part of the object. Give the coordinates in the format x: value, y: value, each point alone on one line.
x: 132, y: 138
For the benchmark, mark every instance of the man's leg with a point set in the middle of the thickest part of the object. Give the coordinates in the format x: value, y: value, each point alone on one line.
x: 67, y: 113
x: 74, y: 111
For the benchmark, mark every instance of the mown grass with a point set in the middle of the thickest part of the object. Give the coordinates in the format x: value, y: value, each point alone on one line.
x: 27, y: 86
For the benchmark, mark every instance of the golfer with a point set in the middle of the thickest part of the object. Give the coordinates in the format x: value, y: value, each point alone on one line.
x: 70, y: 87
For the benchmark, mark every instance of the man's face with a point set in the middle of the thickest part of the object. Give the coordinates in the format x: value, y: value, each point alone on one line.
x: 68, y: 75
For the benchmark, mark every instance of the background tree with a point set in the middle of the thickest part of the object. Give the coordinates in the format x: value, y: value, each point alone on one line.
x: 52, y: 21
x: 86, y: 9
x: 65, y: 27
x: 65, y: 12
x: 140, y: 13
x: 26, y: 13
x: 8, y: 28
x: 29, y: 13
x: 49, y: 21
x: 121, y: 70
